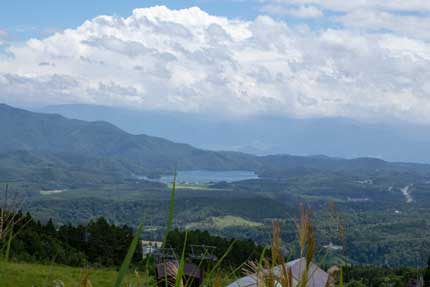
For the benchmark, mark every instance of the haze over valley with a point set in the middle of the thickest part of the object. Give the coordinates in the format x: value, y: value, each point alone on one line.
x: 73, y: 170
x: 268, y: 134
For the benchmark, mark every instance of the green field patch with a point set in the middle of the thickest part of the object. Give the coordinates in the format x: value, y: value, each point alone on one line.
x: 191, y: 186
x: 25, y: 275
x: 51, y: 192
x: 326, y: 198
x: 222, y: 222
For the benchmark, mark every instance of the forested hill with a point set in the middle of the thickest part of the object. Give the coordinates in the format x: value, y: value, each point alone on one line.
x: 39, y: 147
x: 56, y: 139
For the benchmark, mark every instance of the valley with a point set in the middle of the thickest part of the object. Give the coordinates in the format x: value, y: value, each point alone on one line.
x: 245, y: 209
x: 85, y: 170
x: 263, y: 143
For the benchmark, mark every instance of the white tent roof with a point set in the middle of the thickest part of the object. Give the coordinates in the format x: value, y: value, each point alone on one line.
x: 316, y: 276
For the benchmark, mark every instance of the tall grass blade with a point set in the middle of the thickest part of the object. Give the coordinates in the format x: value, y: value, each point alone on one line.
x: 127, y: 260
x: 221, y: 259
x: 190, y: 281
x: 171, y: 209
x: 242, y: 267
x: 8, y: 245
x: 180, y: 274
x: 263, y: 254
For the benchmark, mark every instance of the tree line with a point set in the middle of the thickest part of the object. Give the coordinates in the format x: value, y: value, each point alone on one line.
x: 100, y: 243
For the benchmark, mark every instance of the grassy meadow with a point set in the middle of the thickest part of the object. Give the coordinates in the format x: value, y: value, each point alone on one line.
x: 222, y: 222
x: 37, y: 275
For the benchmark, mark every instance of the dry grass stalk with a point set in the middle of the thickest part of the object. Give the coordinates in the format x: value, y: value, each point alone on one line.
x: 304, y: 229
x: 217, y: 281
x: 276, y: 243
x: 85, y: 281
x: 277, y: 273
x: 332, y: 275
x: 171, y: 271
x: 264, y: 271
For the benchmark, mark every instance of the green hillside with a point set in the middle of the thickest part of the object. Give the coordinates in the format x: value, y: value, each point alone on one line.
x: 32, y: 143
x: 49, y: 147
x: 94, y: 164
x: 38, y: 275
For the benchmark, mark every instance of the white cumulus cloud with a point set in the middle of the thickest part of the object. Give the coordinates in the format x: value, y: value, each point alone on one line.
x: 188, y: 60
x: 349, y: 5
x: 298, y: 12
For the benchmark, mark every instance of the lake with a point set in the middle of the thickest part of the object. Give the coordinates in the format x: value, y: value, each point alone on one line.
x: 207, y: 176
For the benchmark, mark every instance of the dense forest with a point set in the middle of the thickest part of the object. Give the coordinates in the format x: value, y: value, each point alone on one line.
x: 100, y: 243
x: 97, y: 242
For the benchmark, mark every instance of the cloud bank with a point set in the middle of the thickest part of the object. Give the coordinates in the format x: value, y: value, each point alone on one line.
x: 369, y: 67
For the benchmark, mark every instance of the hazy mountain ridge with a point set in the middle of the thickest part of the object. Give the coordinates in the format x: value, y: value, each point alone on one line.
x: 263, y: 135
x: 68, y: 147
x: 70, y: 140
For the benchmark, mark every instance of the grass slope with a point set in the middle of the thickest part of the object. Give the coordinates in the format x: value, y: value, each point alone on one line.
x: 222, y: 222
x: 29, y: 275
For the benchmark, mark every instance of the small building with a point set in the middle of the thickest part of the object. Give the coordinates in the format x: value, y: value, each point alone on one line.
x: 316, y: 276
x: 150, y: 247
x: 168, y: 270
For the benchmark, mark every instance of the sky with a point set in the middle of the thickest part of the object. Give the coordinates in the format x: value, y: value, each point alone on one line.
x: 359, y: 59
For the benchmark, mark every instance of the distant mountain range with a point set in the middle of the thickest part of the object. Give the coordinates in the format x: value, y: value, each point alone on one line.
x: 51, y: 148
x: 70, y: 140
x: 336, y: 137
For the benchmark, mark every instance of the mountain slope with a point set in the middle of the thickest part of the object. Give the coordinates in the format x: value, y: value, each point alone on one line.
x: 48, y: 146
x: 339, y: 137
x: 43, y: 134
